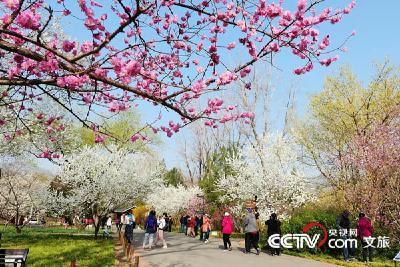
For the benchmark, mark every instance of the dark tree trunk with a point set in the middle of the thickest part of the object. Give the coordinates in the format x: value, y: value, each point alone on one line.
x: 97, y: 223
x: 17, y: 223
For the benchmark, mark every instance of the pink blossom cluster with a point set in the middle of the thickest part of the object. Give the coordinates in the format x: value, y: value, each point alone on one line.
x: 198, y: 87
x: 11, y: 4
x: 378, y: 151
x: 171, y: 129
x: 67, y: 46
x: 197, y: 205
x: 47, y: 154
x: 29, y: 20
x: 118, y: 106
x: 375, y: 157
x: 226, y: 78
x: 72, y: 81
x: 170, y: 54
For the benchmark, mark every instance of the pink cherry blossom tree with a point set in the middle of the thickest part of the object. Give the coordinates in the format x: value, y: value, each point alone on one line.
x: 197, y: 204
x: 171, y: 53
x: 376, y: 190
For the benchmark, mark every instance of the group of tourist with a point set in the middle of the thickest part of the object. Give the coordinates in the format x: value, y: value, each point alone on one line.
x: 200, y: 225
x: 364, y: 229
x: 196, y: 225
x: 154, y: 226
x: 252, y: 229
x: 191, y: 224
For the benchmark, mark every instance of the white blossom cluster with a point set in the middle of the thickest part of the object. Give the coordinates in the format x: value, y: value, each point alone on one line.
x: 172, y: 200
x: 103, y: 180
x: 20, y: 192
x: 271, y: 172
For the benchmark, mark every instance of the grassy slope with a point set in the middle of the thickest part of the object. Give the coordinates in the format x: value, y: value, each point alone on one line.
x: 57, y: 246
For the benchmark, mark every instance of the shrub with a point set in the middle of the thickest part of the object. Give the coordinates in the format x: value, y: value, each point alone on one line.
x: 140, y: 213
x: 327, y: 216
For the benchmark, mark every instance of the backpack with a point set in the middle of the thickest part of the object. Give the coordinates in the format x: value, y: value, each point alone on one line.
x: 130, y: 218
x: 151, y: 224
x: 165, y: 228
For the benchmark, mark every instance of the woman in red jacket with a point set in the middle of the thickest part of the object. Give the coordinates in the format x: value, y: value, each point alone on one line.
x: 191, y: 224
x: 227, y: 229
x: 365, y: 231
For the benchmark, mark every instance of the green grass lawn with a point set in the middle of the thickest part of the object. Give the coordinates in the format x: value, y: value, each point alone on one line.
x: 58, y: 246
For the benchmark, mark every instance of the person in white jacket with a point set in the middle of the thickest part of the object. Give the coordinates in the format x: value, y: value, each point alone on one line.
x: 109, y: 223
x: 162, y: 227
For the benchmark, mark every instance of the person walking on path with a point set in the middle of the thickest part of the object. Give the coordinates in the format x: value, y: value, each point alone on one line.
x: 107, y: 229
x: 273, y: 228
x: 182, y: 222
x: 191, y: 225
x: 109, y: 224
x: 122, y: 221
x: 196, y: 225
x: 170, y: 222
x: 150, y: 227
x: 201, y: 227
x: 250, y: 229
x: 162, y: 227
x: 365, y: 231
x: 259, y: 226
x: 129, y: 226
x: 185, y: 222
x: 117, y: 223
x: 206, y: 228
x: 227, y: 229
x: 343, y: 224
x: 166, y: 221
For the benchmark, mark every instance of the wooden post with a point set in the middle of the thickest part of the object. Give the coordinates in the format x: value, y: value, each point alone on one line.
x: 136, y: 263
x: 73, y: 263
x: 128, y: 250
x: 132, y: 254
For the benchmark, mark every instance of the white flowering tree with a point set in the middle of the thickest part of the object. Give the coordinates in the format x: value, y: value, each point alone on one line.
x: 269, y: 171
x: 172, y: 200
x: 102, y: 179
x: 20, y: 193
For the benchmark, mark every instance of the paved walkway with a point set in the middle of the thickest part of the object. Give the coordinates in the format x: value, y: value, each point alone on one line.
x: 188, y: 252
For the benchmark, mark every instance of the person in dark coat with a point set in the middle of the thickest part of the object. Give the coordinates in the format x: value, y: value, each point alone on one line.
x: 196, y: 225
x: 201, y: 227
x: 343, y: 225
x: 185, y: 222
x: 170, y: 222
x: 167, y: 222
x: 273, y: 227
x: 182, y: 222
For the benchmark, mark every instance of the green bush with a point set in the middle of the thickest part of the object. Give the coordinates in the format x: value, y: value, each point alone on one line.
x: 327, y: 216
x: 309, y: 214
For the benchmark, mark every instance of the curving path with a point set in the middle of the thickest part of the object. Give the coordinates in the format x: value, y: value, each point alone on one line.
x: 188, y: 252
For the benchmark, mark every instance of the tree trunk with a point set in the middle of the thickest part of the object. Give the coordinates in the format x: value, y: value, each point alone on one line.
x: 16, y: 223
x: 97, y: 223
